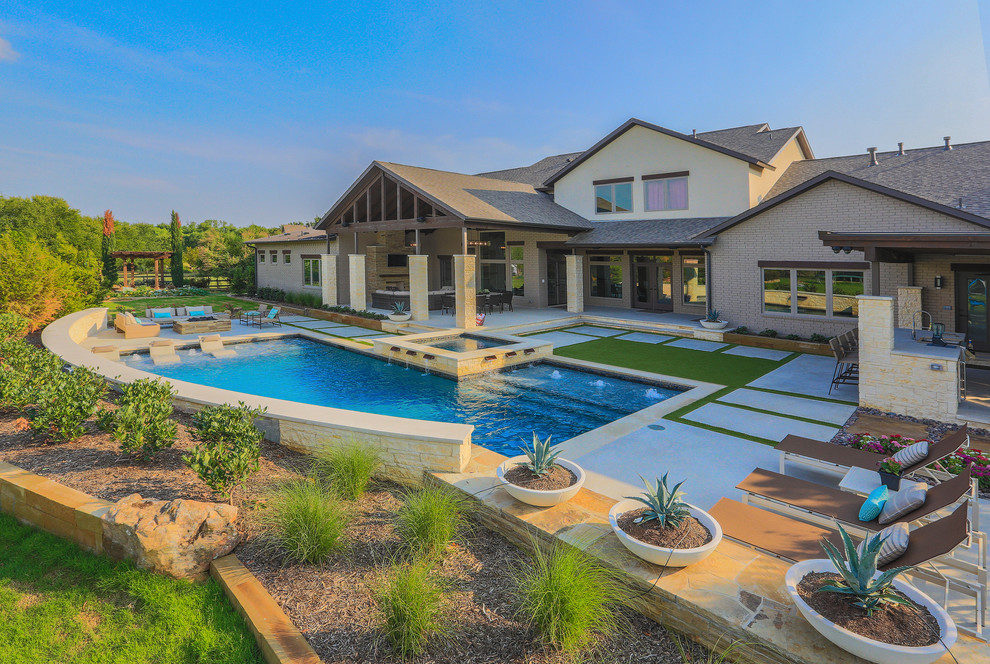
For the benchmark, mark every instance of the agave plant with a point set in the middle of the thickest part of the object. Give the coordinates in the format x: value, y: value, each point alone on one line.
x: 713, y: 316
x: 542, y: 457
x: 665, y: 505
x: 857, y: 570
x: 399, y: 307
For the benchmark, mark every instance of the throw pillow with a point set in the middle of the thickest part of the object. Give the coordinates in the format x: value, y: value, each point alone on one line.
x: 912, y: 454
x: 162, y: 314
x: 908, y: 499
x: 895, y: 545
x: 874, y: 503
x: 200, y: 313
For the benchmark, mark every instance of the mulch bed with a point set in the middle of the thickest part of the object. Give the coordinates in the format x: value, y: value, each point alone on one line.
x: 688, y: 535
x: 558, y: 478
x: 332, y: 603
x: 894, y: 624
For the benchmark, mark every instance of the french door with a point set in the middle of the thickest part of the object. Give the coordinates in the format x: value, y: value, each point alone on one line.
x: 653, y: 283
x: 972, y: 315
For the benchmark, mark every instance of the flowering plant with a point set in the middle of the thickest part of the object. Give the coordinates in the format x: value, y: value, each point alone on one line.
x: 882, y: 444
x: 888, y: 465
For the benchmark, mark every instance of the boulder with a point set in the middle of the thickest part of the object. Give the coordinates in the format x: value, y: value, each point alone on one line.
x: 178, y: 538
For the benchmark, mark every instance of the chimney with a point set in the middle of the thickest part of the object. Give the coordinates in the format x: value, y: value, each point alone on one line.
x: 948, y: 144
x: 873, y: 156
x: 694, y: 133
x: 900, y: 149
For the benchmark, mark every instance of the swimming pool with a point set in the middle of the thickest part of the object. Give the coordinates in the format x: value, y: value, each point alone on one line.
x: 504, y: 407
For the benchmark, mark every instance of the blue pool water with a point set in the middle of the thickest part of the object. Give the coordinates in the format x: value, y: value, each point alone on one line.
x: 464, y: 343
x: 504, y: 407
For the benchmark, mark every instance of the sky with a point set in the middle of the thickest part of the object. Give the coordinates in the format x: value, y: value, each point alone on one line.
x: 260, y: 112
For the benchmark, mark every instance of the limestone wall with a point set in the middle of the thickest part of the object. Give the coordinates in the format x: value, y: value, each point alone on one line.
x: 288, y: 276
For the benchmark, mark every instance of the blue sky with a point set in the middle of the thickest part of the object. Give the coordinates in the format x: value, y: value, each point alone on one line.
x: 265, y: 112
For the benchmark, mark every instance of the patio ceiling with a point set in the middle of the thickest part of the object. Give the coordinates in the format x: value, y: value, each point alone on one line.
x: 901, y: 247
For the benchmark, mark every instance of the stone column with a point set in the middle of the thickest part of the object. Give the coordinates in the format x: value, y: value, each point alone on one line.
x: 575, y: 283
x: 328, y: 279
x: 908, y: 304
x: 359, y: 296
x: 465, y: 292
x: 419, y: 287
x: 876, y: 327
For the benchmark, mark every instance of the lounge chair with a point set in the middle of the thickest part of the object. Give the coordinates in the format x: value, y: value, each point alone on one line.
x: 163, y: 352
x: 929, y: 545
x: 248, y: 317
x: 213, y: 345
x: 822, y: 503
x: 839, y: 458
x: 270, y: 318
x: 132, y: 328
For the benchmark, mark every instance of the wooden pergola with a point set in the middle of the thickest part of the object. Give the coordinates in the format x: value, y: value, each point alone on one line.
x: 130, y: 255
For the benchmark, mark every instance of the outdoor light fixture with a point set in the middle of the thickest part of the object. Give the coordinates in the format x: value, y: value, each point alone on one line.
x: 836, y: 250
x: 847, y: 249
x: 421, y: 219
x: 477, y: 243
x: 938, y: 281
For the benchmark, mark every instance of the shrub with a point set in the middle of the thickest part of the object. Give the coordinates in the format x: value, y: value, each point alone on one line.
x: 768, y: 333
x: 230, y: 446
x: 143, y: 423
x: 412, y: 604
x: 348, y: 469
x: 820, y: 338
x: 25, y: 371
x: 371, y: 315
x: 65, y: 402
x: 568, y: 599
x: 12, y: 327
x: 429, y: 519
x: 742, y: 329
x: 304, y: 520
x: 793, y: 337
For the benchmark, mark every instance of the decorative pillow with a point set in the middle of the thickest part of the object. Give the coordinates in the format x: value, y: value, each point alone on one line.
x: 162, y: 314
x: 908, y: 499
x: 200, y: 313
x: 895, y: 545
x: 912, y: 454
x: 874, y: 503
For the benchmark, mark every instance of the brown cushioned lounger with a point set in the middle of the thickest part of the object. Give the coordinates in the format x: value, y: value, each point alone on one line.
x: 842, y: 505
x: 840, y: 455
x: 795, y: 540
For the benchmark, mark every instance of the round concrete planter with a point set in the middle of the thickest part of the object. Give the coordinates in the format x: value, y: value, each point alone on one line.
x: 714, y: 325
x: 540, y: 498
x: 868, y: 649
x: 399, y: 318
x: 659, y: 555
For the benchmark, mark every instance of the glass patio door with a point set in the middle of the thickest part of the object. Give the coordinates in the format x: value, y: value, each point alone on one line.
x: 653, y: 283
x: 556, y: 279
x: 971, y: 295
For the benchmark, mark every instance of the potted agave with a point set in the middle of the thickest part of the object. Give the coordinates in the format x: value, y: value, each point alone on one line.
x: 539, y: 477
x: 869, y: 613
x: 713, y: 321
x: 667, y: 531
x: 400, y: 313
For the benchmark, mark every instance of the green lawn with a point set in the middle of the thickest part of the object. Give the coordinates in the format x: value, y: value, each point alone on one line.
x: 731, y: 370
x: 61, y: 604
x: 137, y: 306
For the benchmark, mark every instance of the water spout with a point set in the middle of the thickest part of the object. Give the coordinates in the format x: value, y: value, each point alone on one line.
x: 598, y: 383
x: 556, y: 375
x: 653, y: 393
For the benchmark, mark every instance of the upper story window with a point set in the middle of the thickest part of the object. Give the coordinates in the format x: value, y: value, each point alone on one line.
x: 274, y: 255
x: 613, y: 195
x: 665, y: 191
x: 286, y: 257
x: 261, y: 256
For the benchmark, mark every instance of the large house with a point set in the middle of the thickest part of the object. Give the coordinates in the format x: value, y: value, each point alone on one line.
x: 745, y: 220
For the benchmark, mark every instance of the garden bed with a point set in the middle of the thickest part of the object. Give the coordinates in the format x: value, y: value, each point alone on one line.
x: 332, y: 603
x: 777, y: 343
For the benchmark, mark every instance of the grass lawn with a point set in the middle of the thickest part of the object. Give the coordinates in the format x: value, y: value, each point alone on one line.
x: 137, y: 306
x: 61, y: 604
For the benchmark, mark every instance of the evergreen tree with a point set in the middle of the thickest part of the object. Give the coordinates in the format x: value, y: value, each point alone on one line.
x: 109, y: 246
x: 178, y: 279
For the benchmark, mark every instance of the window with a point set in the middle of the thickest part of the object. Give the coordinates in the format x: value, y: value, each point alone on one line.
x: 665, y: 194
x: 311, y: 272
x: 812, y: 292
x: 613, y: 197
x: 491, y: 253
x: 693, y: 280
x: 492, y: 247
x: 261, y: 257
x: 286, y: 257
x: 606, y: 276
x: 274, y: 257
x: 516, y: 269
x: 446, y: 271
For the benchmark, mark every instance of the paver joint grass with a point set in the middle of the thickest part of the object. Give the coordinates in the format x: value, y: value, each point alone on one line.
x: 61, y: 604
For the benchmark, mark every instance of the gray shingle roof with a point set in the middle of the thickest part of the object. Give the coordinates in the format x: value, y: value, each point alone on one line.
x: 534, y: 208
x: 304, y: 235
x: 647, y: 232
x: 534, y: 174
x: 755, y: 140
x: 935, y: 174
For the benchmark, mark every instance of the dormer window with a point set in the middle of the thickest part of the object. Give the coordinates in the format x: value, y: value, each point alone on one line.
x: 613, y: 195
x: 666, y: 191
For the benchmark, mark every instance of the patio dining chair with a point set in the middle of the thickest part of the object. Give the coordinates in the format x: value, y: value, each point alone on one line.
x: 271, y: 318
x: 247, y: 317
x: 846, y: 370
x: 447, y: 303
x: 507, y: 299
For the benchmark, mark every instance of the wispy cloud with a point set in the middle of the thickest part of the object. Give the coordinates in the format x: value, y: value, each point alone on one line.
x: 7, y: 52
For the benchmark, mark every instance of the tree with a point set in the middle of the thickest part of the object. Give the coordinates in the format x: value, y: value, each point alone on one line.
x: 109, y: 238
x: 178, y: 279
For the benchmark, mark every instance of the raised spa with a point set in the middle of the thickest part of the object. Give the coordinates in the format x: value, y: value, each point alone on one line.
x: 465, y: 342
x: 505, y: 407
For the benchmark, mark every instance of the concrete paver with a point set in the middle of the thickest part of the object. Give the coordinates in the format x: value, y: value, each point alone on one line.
x: 812, y: 409
x: 760, y: 425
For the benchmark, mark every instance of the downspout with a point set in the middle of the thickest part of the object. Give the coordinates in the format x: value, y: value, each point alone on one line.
x: 709, y: 286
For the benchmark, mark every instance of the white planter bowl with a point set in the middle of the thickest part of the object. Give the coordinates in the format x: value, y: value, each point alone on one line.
x: 399, y: 318
x: 533, y: 496
x: 659, y: 555
x: 714, y: 325
x: 868, y: 649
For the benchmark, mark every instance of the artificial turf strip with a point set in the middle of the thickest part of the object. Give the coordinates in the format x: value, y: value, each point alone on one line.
x: 61, y: 604
x: 711, y: 367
